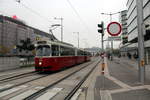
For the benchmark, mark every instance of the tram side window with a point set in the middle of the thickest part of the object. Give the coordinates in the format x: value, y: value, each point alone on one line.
x: 79, y: 53
x: 65, y: 51
x: 72, y: 52
x: 55, y: 50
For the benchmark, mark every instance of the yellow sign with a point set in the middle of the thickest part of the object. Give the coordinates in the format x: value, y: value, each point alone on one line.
x: 103, y: 66
x: 142, y: 63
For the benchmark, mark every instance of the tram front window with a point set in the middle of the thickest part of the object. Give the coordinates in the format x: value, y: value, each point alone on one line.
x: 43, y: 51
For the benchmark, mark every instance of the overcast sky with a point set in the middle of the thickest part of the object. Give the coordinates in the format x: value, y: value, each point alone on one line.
x: 79, y: 16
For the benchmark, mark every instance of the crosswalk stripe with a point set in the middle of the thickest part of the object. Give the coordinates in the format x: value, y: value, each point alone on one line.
x: 11, y: 90
x: 6, y: 86
x: 49, y: 94
x: 24, y: 95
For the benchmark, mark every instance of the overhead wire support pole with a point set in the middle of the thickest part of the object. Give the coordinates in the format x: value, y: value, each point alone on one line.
x: 78, y: 37
x: 141, y: 32
x: 61, y: 19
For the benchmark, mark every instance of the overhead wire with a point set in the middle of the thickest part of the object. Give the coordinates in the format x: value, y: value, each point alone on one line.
x: 78, y: 15
x: 33, y: 11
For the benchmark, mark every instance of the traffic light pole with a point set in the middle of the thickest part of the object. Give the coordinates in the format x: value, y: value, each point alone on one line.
x: 141, y: 31
x: 101, y: 30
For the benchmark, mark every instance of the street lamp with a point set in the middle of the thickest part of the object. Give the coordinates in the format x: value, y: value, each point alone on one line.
x: 78, y: 37
x: 61, y: 19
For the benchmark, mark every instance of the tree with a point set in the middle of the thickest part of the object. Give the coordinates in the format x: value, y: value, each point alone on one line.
x: 26, y: 45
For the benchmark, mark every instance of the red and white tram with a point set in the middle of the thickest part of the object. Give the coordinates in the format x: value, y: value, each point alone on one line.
x: 55, y: 55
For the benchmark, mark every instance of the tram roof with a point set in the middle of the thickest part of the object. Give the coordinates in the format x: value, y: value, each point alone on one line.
x: 55, y: 43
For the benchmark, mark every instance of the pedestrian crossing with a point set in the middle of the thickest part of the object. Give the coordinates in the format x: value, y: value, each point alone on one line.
x: 23, y: 95
x: 18, y: 94
x: 6, y: 86
x: 50, y: 94
x: 7, y: 92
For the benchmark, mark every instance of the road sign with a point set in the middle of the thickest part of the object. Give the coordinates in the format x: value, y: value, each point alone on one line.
x: 114, y: 28
x: 114, y: 38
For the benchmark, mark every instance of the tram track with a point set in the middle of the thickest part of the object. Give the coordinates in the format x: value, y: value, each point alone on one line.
x: 15, y: 72
x: 41, y: 91
x: 22, y: 83
x: 6, y: 79
x: 76, y: 88
x: 34, y: 83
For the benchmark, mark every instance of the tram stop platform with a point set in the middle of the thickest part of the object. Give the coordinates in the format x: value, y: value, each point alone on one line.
x: 119, y: 82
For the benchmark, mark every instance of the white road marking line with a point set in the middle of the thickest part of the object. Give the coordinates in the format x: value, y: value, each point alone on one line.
x: 76, y: 95
x: 148, y: 87
x: 6, y: 86
x: 105, y: 95
x: 39, y: 87
x: 24, y: 95
x: 119, y: 90
x: 11, y: 90
x: 120, y: 83
x: 49, y: 94
x: 127, y: 89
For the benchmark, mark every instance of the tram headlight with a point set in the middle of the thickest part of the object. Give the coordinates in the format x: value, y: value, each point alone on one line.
x: 40, y: 63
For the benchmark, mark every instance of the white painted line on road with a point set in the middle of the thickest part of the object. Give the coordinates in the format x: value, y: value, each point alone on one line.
x: 119, y: 90
x: 138, y: 87
x: 23, y: 86
x: 76, y: 95
x: 127, y: 89
x: 105, y: 95
x: 120, y: 83
x: 26, y: 93
x: 39, y: 87
x: 50, y: 94
x: 148, y: 87
x: 11, y: 90
x: 23, y: 95
x: 6, y: 86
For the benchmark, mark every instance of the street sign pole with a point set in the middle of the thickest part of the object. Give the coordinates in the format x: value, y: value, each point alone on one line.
x: 114, y: 29
x: 141, y: 31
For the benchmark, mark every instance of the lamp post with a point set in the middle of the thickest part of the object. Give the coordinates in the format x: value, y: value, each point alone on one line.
x: 61, y: 19
x: 78, y: 37
x: 110, y: 14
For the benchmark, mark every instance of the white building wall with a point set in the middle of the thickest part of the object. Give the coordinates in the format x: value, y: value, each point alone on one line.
x: 132, y: 17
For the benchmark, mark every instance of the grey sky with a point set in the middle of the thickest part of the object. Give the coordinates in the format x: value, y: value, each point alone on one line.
x: 89, y: 11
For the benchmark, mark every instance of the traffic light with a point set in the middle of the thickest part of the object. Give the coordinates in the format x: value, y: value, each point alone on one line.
x: 125, y: 39
x: 101, y: 26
